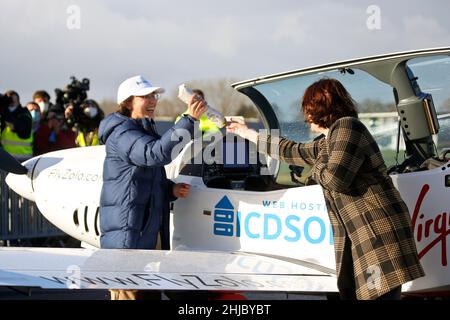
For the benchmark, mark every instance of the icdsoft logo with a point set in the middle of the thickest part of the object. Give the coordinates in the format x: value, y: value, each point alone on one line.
x: 291, y: 225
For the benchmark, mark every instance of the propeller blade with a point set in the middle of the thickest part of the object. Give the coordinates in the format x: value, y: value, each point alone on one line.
x: 9, y: 164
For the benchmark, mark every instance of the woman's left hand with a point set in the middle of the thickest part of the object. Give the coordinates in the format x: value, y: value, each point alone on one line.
x: 242, y: 130
x: 181, y: 190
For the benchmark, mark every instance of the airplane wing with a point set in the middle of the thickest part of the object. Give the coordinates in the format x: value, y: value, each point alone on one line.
x: 60, y: 268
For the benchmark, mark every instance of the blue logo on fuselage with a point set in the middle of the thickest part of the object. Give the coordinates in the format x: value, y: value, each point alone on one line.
x: 227, y: 222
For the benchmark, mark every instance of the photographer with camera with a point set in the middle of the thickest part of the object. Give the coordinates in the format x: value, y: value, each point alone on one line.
x: 83, y: 115
x: 87, y: 123
x: 16, y: 124
x: 54, y: 134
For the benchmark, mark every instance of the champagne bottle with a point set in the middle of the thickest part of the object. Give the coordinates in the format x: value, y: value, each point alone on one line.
x: 185, y: 94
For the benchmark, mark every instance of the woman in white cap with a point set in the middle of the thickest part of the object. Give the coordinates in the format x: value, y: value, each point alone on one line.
x: 134, y: 203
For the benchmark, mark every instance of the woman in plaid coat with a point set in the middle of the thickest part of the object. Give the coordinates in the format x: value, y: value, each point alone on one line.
x: 373, y: 239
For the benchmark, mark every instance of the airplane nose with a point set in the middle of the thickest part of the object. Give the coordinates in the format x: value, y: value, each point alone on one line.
x: 21, y: 183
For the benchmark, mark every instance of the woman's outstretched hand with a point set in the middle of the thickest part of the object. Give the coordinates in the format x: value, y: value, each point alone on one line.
x: 242, y: 130
x: 237, y: 128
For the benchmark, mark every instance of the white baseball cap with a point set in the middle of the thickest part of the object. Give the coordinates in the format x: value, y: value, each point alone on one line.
x: 135, y: 86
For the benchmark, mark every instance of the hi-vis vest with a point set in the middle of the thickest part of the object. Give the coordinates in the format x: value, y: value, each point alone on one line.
x: 21, y: 149
x: 81, y: 140
x: 205, y: 126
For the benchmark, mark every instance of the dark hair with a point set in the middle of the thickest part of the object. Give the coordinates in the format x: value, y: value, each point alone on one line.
x: 125, y: 107
x: 5, y: 101
x: 55, y: 112
x: 33, y: 103
x: 11, y: 93
x: 326, y: 101
x: 41, y: 94
x: 100, y: 114
x: 56, y: 109
x: 199, y: 92
x: 53, y: 115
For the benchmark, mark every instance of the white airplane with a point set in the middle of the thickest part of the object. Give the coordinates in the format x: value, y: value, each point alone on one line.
x: 246, y: 225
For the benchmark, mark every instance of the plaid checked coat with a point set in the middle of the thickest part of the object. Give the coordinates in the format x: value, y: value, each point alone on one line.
x: 373, y: 239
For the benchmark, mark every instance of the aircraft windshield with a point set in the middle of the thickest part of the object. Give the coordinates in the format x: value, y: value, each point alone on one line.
x: 433, y: 75
x: 375, y: 99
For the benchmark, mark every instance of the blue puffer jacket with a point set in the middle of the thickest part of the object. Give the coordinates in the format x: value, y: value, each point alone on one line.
x: 136, y: 193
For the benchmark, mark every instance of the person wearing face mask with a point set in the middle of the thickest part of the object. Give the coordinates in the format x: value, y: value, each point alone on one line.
x: 42, y: 98
x: 35, y: 112
x: 90, y: 117
x: 16, y: 133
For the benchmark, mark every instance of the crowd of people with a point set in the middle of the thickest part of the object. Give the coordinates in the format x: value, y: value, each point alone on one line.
x: 40, y: 126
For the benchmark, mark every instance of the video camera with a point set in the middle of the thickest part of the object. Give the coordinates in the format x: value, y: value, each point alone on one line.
x: 75, y: 95
x: 5, y: 102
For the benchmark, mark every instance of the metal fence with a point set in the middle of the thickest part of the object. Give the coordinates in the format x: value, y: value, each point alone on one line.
x: 20, y: 218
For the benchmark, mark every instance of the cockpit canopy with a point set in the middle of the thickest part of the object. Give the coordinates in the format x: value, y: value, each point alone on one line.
x: 403, y: 99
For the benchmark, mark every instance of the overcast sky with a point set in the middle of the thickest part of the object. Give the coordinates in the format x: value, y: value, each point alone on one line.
x: 170, y: 42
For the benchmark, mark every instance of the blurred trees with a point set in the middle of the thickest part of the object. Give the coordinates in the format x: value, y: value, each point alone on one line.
x: 372, y: 105
x: 218, y: 93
